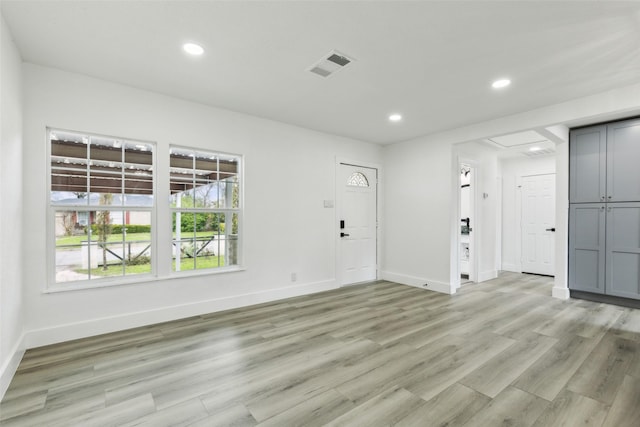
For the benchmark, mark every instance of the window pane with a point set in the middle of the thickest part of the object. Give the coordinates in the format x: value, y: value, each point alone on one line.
x: 105, y: 171
x: 207, y: 253
x: 357, y: 179
x: 182, y: 199
x: 181, y: 175
x: 183, y: 241
x: 137, y: 242
x: 206, y: 193
x: 233, y: 193
x: 109, y: 261
x: 72, y: 247
x: 232, y: 242
x: 68, y: 169
x: 138, y: 173
x: 107, y: 249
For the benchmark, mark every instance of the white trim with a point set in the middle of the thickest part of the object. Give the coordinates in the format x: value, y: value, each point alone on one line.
x: 138, y: 279
x: 561, y: 281
x: 8, y: 370
x: 559, y: 292
x: 71, y: 331
x: 487, y: 275
x: 418, y: 282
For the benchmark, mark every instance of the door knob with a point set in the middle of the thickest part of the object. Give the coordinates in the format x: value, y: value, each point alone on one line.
x: 551, y: 229
x: 344, y: 235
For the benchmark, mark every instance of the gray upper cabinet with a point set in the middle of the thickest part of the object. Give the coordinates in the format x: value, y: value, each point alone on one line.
x: 623, y: 250
x: 623, y: 161
x: 587, y: 165
x: 587, y: 247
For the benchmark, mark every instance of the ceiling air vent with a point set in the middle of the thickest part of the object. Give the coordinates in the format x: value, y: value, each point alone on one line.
x: 331, y: 63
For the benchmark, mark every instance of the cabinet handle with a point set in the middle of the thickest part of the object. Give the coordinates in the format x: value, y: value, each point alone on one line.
x: 602, y: 198
x: 609, y: 197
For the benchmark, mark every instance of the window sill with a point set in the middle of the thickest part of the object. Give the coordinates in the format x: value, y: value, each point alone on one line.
x: 137, y: 280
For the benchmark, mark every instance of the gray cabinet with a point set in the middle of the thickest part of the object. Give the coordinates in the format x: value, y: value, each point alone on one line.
x: 623, y: 250
x: 587, y: 247
x: 587, y: 165
x: 604, y: 210
x: 623, y: 161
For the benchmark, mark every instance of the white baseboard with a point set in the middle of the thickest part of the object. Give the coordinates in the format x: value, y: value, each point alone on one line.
x: 8, y: 370
x: 487, y: 275
x: 71, y: 331
x: 515, y: 268
x: 560, y: 293
x: 418, y: 282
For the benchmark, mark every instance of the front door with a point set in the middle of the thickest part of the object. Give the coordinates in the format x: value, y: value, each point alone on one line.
x: 357, y: 224
x: 538, y: 224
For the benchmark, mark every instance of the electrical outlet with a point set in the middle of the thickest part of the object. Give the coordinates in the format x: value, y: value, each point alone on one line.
x: 294, y: 277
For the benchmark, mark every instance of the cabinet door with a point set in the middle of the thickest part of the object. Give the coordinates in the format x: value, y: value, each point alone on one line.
x: 587, y: 247
x: 623, y: 250
x: 587, y: 164
x: 623, y: 161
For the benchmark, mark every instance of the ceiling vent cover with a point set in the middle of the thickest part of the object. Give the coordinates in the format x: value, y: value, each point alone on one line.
x: 331, y: 63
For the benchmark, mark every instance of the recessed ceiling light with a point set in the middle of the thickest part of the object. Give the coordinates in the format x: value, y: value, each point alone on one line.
x: 395, y: 117
x: 498, y: 84
x: 534, y: 149
x: 193, y: 49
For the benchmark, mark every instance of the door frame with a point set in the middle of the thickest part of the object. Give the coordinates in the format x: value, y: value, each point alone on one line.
x: 336, y: 223
x: 518, y: 236
x: 473, y: 242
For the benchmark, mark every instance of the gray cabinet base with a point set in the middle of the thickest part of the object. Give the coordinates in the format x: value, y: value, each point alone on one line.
x: 608, y: 299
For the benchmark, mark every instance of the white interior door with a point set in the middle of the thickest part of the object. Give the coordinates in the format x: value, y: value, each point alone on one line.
x: 538, y: 224
x: 357, y: 216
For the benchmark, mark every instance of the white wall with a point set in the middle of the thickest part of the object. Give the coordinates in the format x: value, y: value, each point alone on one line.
x: 11, y: 302
x: 289, y: 171
x: 417, y: 188
x: 512, y: 170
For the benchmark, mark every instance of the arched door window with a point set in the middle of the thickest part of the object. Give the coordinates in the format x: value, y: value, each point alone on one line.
x: 357, y: 179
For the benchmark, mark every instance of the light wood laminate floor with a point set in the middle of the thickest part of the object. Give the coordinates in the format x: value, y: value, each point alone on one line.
x: 498, y: 353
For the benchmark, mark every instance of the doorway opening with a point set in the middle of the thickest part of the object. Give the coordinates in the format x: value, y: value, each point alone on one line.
x: 466, y: 240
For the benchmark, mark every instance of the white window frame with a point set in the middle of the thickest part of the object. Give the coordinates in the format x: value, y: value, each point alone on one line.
x: 52, y: 208
x: 239, y: 211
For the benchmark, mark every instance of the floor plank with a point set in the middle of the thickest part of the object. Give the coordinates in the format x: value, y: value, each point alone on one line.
x: 512, y: 407
x: 602, y: 372
x: 573, y: 410
x: 453, y: 407
x: 625, y: 410
x: 501, y: 370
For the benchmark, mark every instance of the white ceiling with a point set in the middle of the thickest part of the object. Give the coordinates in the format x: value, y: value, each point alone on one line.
x: 431, y: 61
